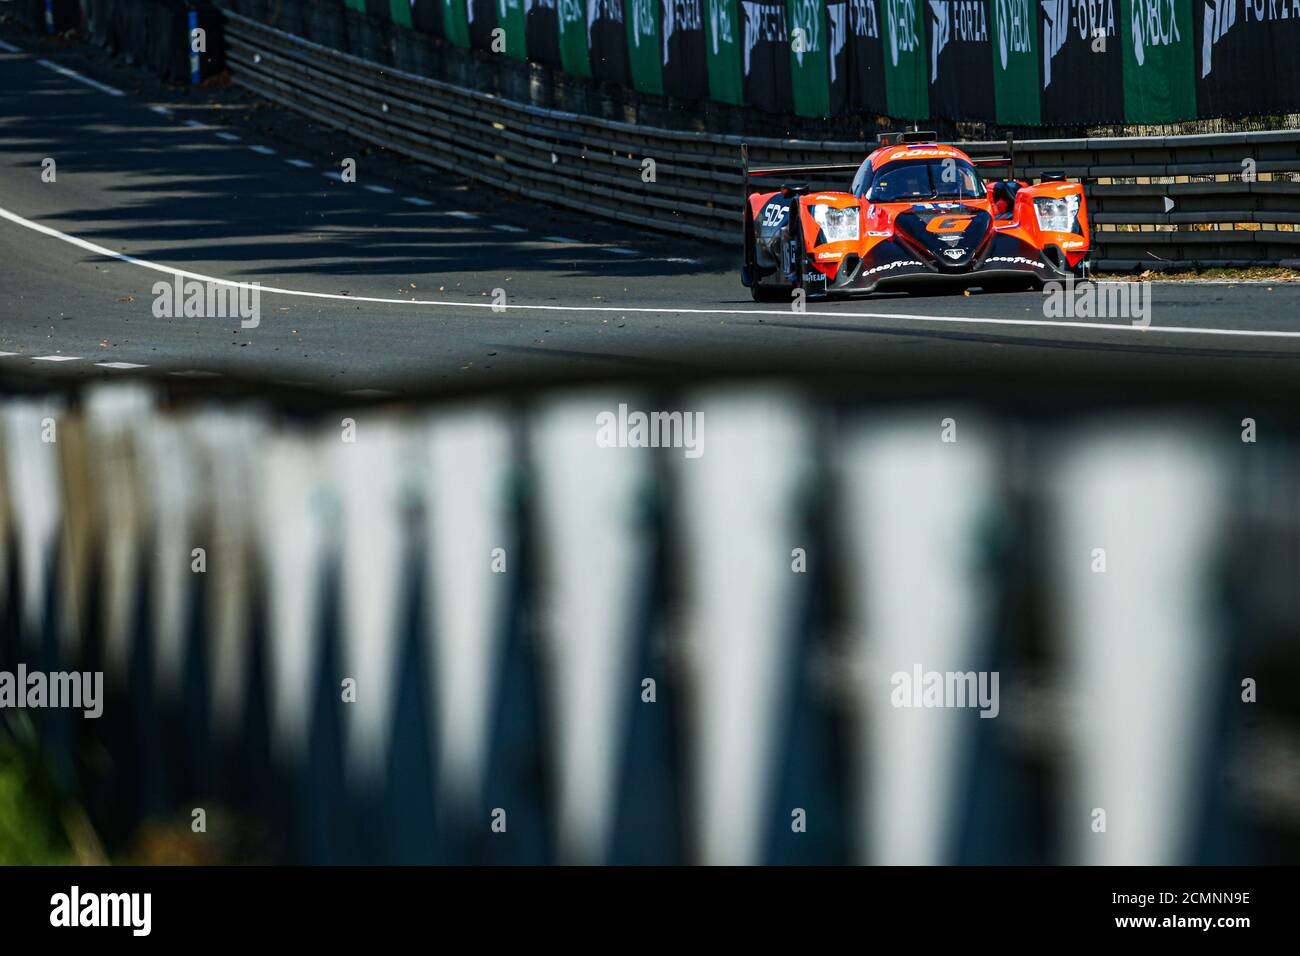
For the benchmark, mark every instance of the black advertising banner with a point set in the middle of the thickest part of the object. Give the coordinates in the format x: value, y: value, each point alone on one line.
x: 765, y: 55
x: 1247, y: 56
x: 685, y: 67
x: 857, y: 57
x: 482, y: 16
x: 960, y: 59
x: 1082, y: 57
x: 607, y: 41
x: 426, y: 16
x: 542, y: 28
x: 1018, y: 63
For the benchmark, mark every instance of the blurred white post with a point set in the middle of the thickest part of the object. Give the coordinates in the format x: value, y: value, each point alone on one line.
x: 912, y: 509
x: 1140, y: 636
x: 739, y: 523
x: 173, y: 482
x: 470, y: 467
x: 116, y: 417
x: 372, y: 481
x: 594, y: 560
x: 228, y: 440
x: 35, y: 484
x: 296, y: 516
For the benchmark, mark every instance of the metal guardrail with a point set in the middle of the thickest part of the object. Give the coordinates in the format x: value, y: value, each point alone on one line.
x: 375, y: 628
x: 1217, y: 216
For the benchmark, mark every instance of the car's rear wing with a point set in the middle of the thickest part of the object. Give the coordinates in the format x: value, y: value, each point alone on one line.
x: 748, y: 174
x: 1009, y: 160
x: 929, y: 136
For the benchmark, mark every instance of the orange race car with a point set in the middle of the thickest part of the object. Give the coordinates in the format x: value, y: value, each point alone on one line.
x: 917, y: 213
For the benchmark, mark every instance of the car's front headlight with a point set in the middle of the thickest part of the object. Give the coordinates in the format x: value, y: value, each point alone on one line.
x: 1056, y: 214
x: 838, y: 225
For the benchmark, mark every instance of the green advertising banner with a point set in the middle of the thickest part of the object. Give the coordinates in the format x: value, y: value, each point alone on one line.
x: 1159, y: 82
x: 455, y: 23
x: 573, y: 37
x: 511, y: 19
x: 722, y: 49
x: 907, y: 91
x: 1015, y: 62
x: 1020, y: 63
x: 810, y: 69
x: 644, y: 58
x: 400, y: 11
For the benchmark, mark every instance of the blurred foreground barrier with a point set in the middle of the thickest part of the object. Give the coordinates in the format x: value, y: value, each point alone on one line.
x: 796, y: 631
x: 1155, y: 202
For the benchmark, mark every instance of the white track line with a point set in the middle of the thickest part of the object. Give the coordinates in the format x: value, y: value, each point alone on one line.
x: 120, y: 365
x: 196, y: 124
x: 563, y: 240
x: 503, y: 227
x: 264, y: 150
x: 621, y: 252
x: 56, y: 358
x: 161, y: 110
x: 300, y: 163
x: 74, y: 75
x: 457, y: 214
x: 416, y: 201
x: 382, y: 190
x: 9, y: 48
x: 645, y: 310
x: 229, y: 137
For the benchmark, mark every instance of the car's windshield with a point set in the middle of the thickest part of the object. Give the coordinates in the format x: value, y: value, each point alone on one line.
x: 926, y: 179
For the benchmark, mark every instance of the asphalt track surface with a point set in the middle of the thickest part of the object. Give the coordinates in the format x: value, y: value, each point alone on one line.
x: 386, y: 284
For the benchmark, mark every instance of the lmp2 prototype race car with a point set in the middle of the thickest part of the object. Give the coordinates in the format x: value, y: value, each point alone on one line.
x: 917, y: 213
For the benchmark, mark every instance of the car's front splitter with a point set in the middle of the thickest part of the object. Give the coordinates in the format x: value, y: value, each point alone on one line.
x: 891, y: 265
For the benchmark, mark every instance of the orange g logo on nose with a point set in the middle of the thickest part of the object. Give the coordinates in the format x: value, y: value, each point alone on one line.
x: 949, y: 224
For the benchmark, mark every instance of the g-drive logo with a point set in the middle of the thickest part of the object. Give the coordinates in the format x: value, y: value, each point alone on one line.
x: 960, y: 20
